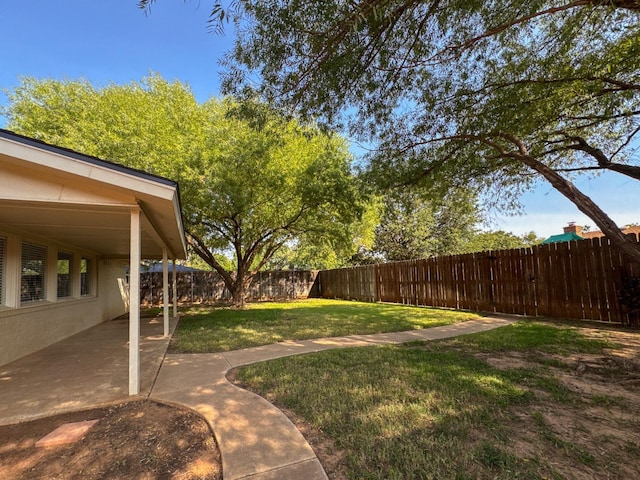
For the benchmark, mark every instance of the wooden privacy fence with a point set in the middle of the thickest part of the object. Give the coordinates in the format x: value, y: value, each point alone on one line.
x: 208, y: 287
x: 580, y: 279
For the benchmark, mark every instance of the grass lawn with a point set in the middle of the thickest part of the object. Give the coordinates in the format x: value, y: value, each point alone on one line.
x: 209, y: 329
x: 532, y: 400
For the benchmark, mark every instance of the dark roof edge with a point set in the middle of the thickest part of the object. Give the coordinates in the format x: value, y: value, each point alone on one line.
x: 32, y: 142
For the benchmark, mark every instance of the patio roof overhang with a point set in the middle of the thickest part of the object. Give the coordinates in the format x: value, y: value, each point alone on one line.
x: 86, y: 202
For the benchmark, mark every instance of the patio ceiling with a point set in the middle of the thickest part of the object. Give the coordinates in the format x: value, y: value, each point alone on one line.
x: 101, y: 229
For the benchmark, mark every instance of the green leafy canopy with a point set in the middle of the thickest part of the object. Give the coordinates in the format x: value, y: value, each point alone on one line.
x: 497, y: 94
x: 251, y: 178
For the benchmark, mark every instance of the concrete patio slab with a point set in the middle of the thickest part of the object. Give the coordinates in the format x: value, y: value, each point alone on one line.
x: 186, y: 374
x: 86, y: 370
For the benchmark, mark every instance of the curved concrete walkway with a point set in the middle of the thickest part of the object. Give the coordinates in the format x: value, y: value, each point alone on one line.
x: 256, y: 440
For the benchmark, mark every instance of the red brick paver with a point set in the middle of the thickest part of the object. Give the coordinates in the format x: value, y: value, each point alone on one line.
x: 66, y: 433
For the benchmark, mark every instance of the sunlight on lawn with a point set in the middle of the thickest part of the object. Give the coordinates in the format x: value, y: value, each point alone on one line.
x: 209, y: 329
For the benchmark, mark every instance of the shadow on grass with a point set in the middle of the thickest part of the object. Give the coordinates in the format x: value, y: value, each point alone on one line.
x: 399, y: 412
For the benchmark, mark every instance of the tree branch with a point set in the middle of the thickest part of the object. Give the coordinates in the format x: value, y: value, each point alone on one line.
x: 629, y: 138
x: 604, y: 161
x: 203, y: 252
x: 457, y: 49
x: 565, y: 187
x: 271, y: 250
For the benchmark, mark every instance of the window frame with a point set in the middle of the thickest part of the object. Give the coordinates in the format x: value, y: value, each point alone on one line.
x: 87, y: 283
x: 36, y: 288
x: 68, y: 258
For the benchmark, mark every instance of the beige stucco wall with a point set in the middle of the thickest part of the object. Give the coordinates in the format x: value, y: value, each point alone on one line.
x: 30, y: 328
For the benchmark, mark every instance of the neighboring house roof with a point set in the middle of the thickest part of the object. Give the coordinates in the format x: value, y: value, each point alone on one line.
x: 157, y: 267
x: 576, y: 232
x: 72, y: 198
x: 563, y: 237
x: 627, y: 230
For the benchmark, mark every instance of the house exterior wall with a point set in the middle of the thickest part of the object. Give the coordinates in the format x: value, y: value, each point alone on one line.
x: 26, y: 327
x: 113, y: 288
x: 633, y: 229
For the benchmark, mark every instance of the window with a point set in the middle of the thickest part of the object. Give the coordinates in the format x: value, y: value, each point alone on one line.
x: 65, y: 277
x: 34, y: 262
x: 86, y: 271
x: 3, y: 261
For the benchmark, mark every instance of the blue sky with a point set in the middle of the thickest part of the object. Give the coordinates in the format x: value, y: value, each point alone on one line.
x: 107, y: 41
x: 110, y: 41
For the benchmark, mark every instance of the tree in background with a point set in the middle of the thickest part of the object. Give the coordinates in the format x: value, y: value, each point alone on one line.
x: 482, y: 241
x: 153, y: 125
x: 413, y: 227
x: 251, y: 179
x: 302, y: 256
x: 493, y: 94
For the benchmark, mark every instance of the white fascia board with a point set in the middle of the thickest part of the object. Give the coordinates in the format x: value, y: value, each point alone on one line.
x: 101, y: 171
x: 178, y: 216
x: 147, y: 188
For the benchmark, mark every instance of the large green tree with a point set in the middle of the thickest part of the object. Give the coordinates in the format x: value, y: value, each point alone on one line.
x: 499, y: 94
x: 251, y: 179
x: 481, y: 241
x: 305, y: 255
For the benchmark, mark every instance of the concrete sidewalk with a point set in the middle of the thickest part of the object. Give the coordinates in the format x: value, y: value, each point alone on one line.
x: 256, y: 440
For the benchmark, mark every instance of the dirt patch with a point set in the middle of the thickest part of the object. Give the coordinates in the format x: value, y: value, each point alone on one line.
x: 141, y: 440
x: 592, y: 430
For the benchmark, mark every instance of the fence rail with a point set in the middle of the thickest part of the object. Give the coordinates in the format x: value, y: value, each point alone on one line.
x: 579, y: 279
x: 208, y: 287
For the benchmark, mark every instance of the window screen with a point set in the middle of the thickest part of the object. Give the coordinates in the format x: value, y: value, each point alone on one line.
x: 86, y: 272
x: 34, y: 262
x: 65, y: 277
x: 3, y: 261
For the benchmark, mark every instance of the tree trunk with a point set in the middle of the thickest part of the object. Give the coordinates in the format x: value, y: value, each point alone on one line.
x: 239, y: 295
x: 625, y: 244
x: 240, y: 286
